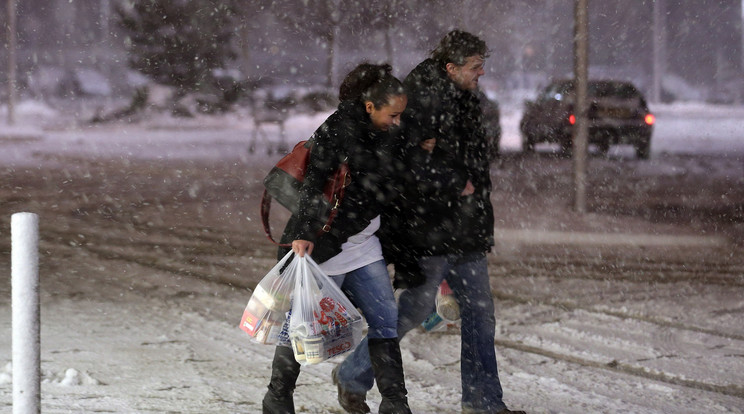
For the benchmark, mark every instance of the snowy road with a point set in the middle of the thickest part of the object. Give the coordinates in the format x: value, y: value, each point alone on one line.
x: 680, y: 129
x: 576, y: 333
x: 149, y: 243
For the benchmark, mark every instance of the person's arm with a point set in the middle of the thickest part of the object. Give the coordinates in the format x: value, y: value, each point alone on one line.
x: 428, y: 145
x: 429, y: 159
x: 436, y: 173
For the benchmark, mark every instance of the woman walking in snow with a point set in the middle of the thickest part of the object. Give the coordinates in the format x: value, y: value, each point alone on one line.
x: 358, y: 133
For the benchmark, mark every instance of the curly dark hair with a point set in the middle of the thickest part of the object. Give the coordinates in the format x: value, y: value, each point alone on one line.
x: 456, y: 46
x: 370, y: 82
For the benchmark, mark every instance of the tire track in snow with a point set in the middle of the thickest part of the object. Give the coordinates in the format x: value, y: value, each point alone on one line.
x: 571, y: 306
x: 214, y: 262
x: 622, y: 269
x: 614, y: 365
x: 145, y: 256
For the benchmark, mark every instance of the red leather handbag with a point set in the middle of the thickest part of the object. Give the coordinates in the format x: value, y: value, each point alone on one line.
x: 285, y: 179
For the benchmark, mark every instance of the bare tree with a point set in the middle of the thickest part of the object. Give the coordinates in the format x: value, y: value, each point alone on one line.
x: 385, y: 17
x: 319, y: 18
x: 525, y: 34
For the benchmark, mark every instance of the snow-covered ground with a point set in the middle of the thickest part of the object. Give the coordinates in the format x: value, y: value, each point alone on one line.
x: 681, y: 128
x: 146, y: 340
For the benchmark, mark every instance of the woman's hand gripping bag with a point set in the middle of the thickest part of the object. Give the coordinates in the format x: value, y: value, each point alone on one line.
x: 323, y: 322
x: 267, y: 308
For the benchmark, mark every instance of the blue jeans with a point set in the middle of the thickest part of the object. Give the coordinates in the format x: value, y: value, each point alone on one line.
x: 467, y: 275
x: 370, y: 290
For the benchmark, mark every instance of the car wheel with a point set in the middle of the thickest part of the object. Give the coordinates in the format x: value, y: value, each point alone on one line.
x: 603, y: 148
x: 566, y: 148
x: 643, y: 150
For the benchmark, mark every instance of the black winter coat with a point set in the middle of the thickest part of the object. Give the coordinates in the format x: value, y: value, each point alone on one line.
x: 432, y: 218
x: 347, y: 135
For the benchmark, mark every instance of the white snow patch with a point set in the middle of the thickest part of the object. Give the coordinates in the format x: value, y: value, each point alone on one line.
x: 71, y: 377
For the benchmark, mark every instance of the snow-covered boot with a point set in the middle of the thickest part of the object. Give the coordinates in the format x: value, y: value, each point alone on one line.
x: 388, y: 366
x: 284, y: 372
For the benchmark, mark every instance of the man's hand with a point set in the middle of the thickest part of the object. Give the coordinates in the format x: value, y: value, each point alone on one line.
x: 428, y: 144
x: 300, y: 247
x: 469, y: 189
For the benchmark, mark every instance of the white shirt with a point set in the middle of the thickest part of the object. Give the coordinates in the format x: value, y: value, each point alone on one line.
x: 358, y: 251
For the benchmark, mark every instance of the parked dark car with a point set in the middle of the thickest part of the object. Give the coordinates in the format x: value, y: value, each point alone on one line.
x: 618, y: 114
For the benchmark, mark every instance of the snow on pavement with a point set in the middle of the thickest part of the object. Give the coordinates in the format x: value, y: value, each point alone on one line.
x: 651, y: 339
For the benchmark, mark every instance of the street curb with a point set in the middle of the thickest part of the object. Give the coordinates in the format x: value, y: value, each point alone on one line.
x: 606, y: 239
x: 17, y: 134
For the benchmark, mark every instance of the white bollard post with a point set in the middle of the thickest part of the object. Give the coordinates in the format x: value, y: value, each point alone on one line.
x: 24, y: 234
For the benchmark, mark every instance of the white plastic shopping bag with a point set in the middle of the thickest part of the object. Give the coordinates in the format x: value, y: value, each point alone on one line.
x: 267, y: 308
x: 323, y: 322
x: 446, y: 313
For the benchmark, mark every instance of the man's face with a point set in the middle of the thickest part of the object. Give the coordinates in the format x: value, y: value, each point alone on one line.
x: 466, y: 76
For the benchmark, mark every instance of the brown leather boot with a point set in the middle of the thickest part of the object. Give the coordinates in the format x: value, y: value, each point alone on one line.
x: 352, y: 402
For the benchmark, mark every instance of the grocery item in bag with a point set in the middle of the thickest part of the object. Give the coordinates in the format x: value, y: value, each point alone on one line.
x: 447, y: 306
x: 432, y: 322
x: 267, y: 308
x: 323, y: 323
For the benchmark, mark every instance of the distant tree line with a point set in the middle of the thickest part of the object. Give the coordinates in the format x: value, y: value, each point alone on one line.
x: 179, y: 43
x: 182, y: 42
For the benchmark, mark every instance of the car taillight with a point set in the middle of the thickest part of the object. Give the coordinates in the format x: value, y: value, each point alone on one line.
x: 572, y: 119
x: 650, y: 119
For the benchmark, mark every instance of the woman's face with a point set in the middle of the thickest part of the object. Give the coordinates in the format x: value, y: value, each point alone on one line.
x: 388, y: 114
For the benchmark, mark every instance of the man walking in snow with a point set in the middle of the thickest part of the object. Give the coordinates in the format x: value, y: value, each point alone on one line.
x: 443, y: 226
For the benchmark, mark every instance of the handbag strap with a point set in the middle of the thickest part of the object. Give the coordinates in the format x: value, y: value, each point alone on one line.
x: 337, y: 194
x: 265, y: 209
